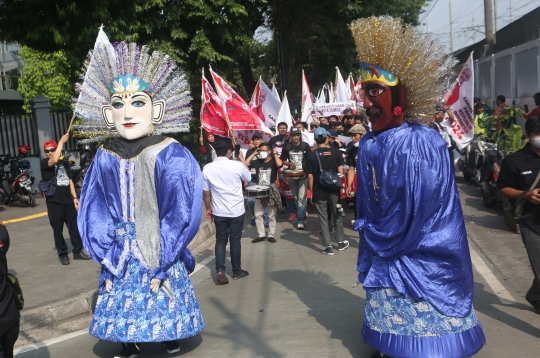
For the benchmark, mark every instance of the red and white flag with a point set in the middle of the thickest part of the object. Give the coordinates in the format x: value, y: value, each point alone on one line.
x: 265, y: 104
x: 239, y: 114
x: 212, y: 118
x: 461, y: 104
x: 307, y: 101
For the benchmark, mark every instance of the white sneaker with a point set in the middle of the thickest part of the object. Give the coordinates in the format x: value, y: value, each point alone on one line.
x: 300, y: 227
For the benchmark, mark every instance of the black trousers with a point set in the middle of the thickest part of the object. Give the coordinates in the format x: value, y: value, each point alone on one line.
x: 531, y: 240
x: 9, y: 338
x: 60, y: 214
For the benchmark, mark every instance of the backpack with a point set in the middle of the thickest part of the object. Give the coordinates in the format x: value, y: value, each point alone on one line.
x: 16, y: 289
x: 48, y: 188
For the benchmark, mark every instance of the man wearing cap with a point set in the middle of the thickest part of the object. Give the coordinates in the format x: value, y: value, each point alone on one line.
x: 330, y: 159
x: 62, y: 206
x: 257, y: 140
x: 294, y: 155
x: 356, y: 133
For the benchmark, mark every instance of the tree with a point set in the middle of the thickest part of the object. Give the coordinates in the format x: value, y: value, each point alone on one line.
x: 45, y: 74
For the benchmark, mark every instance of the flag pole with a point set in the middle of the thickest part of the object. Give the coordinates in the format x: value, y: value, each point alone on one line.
x: 225, y: 114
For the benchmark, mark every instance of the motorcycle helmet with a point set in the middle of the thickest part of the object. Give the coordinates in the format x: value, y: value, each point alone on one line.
x: 24, y: 149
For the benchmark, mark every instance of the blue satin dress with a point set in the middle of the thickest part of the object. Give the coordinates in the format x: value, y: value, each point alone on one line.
x: 138, y: 214
x: 413, y: 259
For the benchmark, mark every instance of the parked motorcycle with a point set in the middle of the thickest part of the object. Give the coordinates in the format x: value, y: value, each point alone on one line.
x: 16, y: 184
x: 488, y: 177
x: 78, y: 173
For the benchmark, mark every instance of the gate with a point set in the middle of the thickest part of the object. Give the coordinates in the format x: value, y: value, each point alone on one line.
x: 16, y: 130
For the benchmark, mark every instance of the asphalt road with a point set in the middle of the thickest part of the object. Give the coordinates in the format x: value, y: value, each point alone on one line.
x: 297, y: 302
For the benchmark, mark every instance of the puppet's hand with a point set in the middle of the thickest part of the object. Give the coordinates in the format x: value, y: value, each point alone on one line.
x: 108, y: 285
x: 155, y: 284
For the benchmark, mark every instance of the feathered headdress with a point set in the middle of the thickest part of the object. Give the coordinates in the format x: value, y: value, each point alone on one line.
x: 127, y: 68
x: 403, y: 51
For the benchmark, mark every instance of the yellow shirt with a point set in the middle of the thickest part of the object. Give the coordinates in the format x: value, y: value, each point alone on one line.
x: 477, y: 128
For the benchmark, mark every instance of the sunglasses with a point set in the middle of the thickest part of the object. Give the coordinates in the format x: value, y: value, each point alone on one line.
x: 49, y: 150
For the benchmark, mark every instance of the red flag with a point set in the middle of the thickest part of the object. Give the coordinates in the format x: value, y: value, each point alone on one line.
x: 212, y: 112
x: 239, y: 114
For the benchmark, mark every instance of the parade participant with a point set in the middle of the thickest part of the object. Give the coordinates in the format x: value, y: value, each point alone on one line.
x: 9, y: 313
x: 142, y: 197
x: 326, y: 200
x: 277, y: 142
x: 256, y: 140
x: 266, y: 163
x: 332, y: 119
x: 480, y: 122
x: 222, y: 186
x: 519, y: 171
x: 63, y: 204
x: 535, y: 111
x: 414, y: 259
x: 302, y: 126
x: 438, y: 118
x: 356, y: 133
x: 324, y: 123
x: 207, y: 148
x: 294, y: 156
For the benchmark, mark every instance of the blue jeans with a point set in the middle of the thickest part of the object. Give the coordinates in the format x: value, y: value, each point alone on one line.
x: 228, y: 228
x: 251, y: 205
x: 299, y: 191
x: 291, y: 207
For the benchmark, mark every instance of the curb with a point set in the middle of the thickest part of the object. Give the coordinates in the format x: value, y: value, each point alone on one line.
x: 60, y: 315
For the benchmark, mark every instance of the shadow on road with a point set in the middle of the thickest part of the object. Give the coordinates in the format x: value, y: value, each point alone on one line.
x: 335, y: 308
x: 106, y: 349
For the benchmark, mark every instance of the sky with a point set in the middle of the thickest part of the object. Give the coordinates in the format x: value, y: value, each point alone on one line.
x: 468, y: 18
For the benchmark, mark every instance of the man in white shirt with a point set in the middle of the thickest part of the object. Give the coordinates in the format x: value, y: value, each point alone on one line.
x: 222, y: 186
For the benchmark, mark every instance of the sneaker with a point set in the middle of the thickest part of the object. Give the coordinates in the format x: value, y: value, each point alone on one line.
x: 172, y: 346
x: 81, y: 256
x: 252, y: 223
x: 258, y: 239
x: 342, y: 245
x: 242, y: 274
x: 351, y: 205
x: 64, y: 260
x: 271, y: 239
x: 292, y: 217
x: 352, y: 222
x: 331, y: 230
x: 328, y: 251
x: 300, y: 227
x: 221, y: 280
x: 129, y: 350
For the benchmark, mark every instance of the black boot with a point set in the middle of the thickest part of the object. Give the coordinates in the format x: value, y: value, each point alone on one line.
x: 129, y: 350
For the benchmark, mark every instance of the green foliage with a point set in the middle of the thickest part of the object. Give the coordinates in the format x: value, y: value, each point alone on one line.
x: 45, y: 74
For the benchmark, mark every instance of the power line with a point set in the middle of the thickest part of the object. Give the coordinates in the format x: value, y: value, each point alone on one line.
x: 424, y: 17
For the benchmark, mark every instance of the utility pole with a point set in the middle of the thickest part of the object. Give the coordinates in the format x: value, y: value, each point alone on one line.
x: 451, y: 31
x: 495, y: 17
x: 473, y: 30
x: 511, y: 11
x: 488, y: 20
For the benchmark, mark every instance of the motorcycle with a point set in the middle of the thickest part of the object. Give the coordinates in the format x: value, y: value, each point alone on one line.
x: 78, y: 173
x: 16, y: 184
x: 488, y: 176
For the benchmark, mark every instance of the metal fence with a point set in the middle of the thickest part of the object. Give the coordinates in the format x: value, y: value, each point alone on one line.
x: 60, y: 123
x: 513, y: 73
x: 16, y: 130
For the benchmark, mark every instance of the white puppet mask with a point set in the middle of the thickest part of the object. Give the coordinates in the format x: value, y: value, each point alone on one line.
x: 132, y: 112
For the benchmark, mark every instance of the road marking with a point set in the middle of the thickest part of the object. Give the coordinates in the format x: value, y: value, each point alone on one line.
x: 65, y: 337
x: 496, y: 286
x: 50, y: 341
x: 30, y: 217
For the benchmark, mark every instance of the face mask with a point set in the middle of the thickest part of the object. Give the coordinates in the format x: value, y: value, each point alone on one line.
x: 535, y: 142
x: 340, y: 131
x: 356, y: 144
x: 263, y: 155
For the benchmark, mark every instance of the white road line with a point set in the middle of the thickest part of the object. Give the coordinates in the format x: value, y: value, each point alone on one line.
x: 496, y: 286
x: 65, y: 337
x: 50, y: 341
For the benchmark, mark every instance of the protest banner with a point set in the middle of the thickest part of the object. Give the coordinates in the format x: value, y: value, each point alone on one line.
x: 333, y: 109
x: 212, y: 118
x: 264, y: 103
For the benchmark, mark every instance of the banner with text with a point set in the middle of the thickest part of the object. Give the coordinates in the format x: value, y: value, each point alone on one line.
x: 333, y: 109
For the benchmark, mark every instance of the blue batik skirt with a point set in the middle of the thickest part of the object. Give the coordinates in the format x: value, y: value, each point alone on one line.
x: 405, y: 328
x: 131, y: 312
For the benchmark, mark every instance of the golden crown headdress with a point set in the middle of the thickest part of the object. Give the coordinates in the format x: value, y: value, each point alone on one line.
x: 421, y: 64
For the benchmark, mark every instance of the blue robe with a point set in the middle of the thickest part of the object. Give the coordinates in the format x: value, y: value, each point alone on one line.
x: 413, y: 259
x: 138, y: 213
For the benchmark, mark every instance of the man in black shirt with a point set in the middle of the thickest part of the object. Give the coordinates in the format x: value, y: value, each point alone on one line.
x: 281, y: 139
x: 62, y: 206
x: 257, y: 140
x: 356, y: 133
x: 330, y: 159
x: 265, y: 162
x: 518, y: 173
x: 294, y: 156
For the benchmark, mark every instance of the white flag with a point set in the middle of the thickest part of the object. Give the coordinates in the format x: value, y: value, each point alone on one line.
x: 284, y: 114
x: 341, y: 88
x: 265, y: 104
x: 275, y: 91
x: 307, y: 101
x: 461, y: 104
